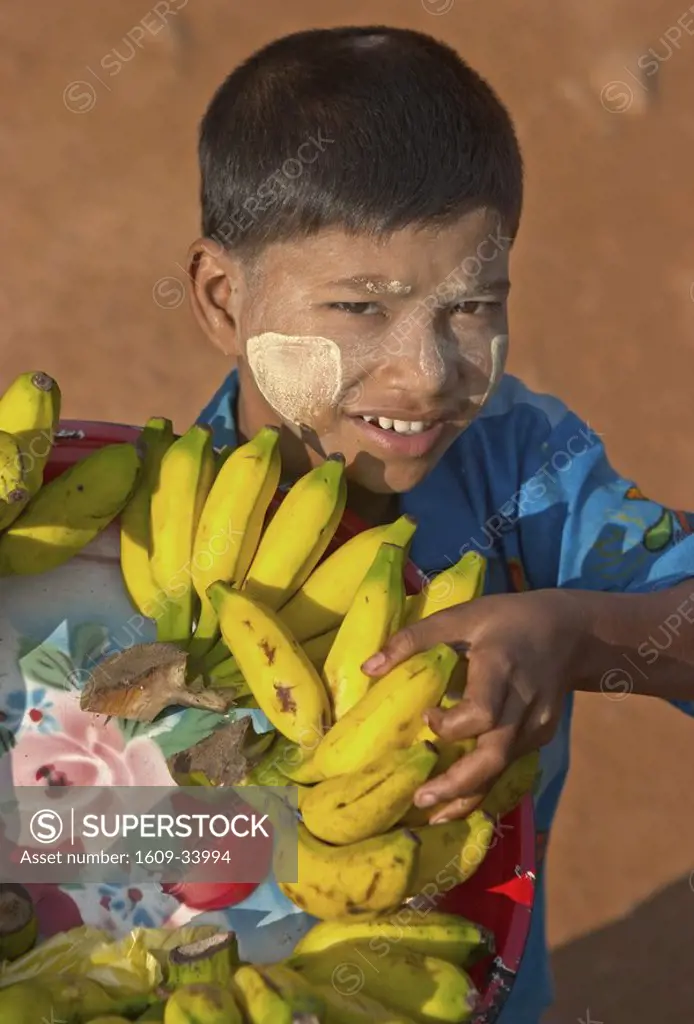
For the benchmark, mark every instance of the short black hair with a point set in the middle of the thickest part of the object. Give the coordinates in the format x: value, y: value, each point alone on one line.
x: 370, y: 129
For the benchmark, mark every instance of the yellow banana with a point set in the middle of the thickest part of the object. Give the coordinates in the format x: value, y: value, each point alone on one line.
x: 506, y: 793
x: 231, y: 524
x: 295, y: 760
x: 343, y: 1001
x: 389, y: 715
x: 426, y: 988
x: 264, y: 1003
x: 298, y: 534
x: 12, y: 487
x: 449, y: 753
x: 70, y: 511
x: 30, y: 411
x: 202, y: 1004
x: 327, y: 594
x: 460, y: 583
x: 135, y: 524
x: 450, y: 853
x: 370, y: 877
x: 373, y: 617
x: 366, y: 803
x: 447, y: 936
x: 318, y: 647
x: 185, y: 478
x: 228, y: 674
x: 512, y: 785
x: 283, y: 681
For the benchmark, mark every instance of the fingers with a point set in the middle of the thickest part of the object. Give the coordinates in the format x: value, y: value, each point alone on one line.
x: 447, y: 626
x: 478, y: 711
x: 475, y: 773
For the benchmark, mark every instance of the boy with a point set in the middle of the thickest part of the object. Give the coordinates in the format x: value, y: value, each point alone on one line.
x: 361, y: 190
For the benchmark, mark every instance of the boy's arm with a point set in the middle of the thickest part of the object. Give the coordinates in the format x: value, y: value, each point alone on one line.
x: 610, y: 608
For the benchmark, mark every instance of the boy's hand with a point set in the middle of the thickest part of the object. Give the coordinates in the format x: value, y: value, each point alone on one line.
x: 521, y: 651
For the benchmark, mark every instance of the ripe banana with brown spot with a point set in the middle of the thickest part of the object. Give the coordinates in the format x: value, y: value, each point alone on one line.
x: 389, y: 715
x: 367, y: 803
x: 286, y: 686
x: 369, y: 877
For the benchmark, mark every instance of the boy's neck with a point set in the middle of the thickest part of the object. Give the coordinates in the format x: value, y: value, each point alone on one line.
x: 298, y: 458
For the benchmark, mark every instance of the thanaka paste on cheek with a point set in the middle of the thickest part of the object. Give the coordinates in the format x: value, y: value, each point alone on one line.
x: 300, y: 377
x: 499, y: 349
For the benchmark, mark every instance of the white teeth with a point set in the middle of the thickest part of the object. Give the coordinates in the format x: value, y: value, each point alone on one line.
x: 405, y: 427
x: 400, y: 426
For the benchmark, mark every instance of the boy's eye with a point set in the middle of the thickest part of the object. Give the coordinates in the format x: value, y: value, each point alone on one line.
x: 360, y: 308
x: 473, y: 307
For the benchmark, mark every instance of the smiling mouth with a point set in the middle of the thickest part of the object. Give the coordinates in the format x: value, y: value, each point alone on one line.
x: 406, y: 427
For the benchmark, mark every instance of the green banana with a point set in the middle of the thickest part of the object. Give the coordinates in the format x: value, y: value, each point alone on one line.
x: 447, y: 936
x: 70, y: 511
x: 343, y: 1002
x: 202, y: 1004
x: 426, y: 988
x: 264, y: 1003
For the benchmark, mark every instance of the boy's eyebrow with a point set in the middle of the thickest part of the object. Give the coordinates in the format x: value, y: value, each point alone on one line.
x: 376, y: 284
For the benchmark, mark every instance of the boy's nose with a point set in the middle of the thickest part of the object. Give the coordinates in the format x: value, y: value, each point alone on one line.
x: 424, y: 360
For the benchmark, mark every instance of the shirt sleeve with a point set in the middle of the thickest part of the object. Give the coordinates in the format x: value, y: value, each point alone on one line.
x: 219, y: 414
x: 582, y: 525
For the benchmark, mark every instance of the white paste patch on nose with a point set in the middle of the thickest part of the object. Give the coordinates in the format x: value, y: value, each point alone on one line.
x: 300, y: 377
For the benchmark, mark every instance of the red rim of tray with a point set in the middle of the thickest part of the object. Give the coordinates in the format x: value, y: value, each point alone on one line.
x: 500, y: 894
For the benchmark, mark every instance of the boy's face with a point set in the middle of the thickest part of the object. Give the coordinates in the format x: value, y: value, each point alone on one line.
x: 382, y: 349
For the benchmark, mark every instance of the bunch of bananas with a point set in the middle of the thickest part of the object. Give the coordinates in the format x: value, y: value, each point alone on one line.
x: 43, y: 525
x: 246, y: 592
x: 394, y: 970
x: 295, y: 630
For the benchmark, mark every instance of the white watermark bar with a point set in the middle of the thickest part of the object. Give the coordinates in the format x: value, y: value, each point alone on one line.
x: 120, y: 835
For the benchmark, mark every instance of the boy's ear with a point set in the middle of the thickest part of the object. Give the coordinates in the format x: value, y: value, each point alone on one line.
x: 216, y: 286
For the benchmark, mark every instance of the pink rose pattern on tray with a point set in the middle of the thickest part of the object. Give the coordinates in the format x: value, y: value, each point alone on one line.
x: 45, y: 739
